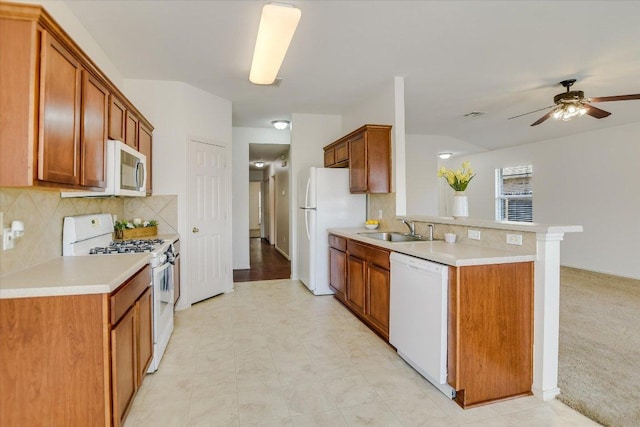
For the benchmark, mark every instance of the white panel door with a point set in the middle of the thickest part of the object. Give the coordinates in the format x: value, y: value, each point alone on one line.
x: 207, y: 220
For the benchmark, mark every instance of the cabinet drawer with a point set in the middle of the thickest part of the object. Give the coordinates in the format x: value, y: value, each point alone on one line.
x: 379, y: 257
x: 339, y: 243
x: 127, y: 294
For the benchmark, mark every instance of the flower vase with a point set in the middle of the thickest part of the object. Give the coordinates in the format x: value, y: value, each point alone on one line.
x: 460, y: 205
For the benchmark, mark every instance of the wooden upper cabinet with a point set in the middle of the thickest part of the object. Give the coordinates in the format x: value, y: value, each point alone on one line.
x: 95, y: 110
x: 145, y: 138
x: 131, y: 130
x: 56, y: 111
x: 358, y: 164
x: 336, y: 155
x: 370, y: 159
x: 59, y: 126
x: 367, y: 153
x: 117, y: 118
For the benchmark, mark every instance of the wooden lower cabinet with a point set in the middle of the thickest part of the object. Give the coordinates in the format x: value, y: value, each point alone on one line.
x: 490, y: 350
x: 123, y: 365
x: 66, y: 362
x: 378, y: 298
x: 356, y: 285
x: 364, y: 271
x: 338, y: 273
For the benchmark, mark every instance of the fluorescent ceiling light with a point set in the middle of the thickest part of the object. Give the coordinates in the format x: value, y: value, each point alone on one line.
x: 277, y: 25
x: 444, y: 156
x: 258, y: 164
x: 280, y: 124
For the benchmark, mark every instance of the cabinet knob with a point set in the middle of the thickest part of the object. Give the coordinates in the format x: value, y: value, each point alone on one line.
x: 195, y: 229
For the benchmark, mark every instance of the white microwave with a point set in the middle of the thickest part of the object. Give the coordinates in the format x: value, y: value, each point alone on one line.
x: 126, y: 173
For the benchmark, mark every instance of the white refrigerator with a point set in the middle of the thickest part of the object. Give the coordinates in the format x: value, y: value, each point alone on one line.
x: 325, y: 203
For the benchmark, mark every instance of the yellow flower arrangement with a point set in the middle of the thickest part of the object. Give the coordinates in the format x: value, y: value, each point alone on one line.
x: 458, y: 179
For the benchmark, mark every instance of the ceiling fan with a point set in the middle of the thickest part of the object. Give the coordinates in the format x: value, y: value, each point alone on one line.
x: 572, y: 103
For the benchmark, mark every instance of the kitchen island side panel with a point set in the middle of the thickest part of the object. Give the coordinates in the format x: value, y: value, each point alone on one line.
x: 53, y: 370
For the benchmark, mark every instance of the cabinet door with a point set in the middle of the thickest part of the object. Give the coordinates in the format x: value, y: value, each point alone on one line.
x: 329, y: 157
x: 131, y: 130
x: 378, y: 297
x: 358, y: 164
x: 117, y: 119
x: 338, y: 272
x: 59, y: 120
x: 123, y: 365
x: 145, y: 333
x: 145, y: 147
x: 95, y: 113
x: 356, y: 284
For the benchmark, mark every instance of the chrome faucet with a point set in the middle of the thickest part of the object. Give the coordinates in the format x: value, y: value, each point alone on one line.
x: 411, y: 225
x: 430, y: 231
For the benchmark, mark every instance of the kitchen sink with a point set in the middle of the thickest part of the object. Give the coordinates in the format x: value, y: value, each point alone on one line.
x: 392, y: 236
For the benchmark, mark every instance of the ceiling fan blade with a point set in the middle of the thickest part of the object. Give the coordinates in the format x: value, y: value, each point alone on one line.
x: 596, y: 112
x: 615, y: 98
x: 542, y: 119
x: 530, y: 112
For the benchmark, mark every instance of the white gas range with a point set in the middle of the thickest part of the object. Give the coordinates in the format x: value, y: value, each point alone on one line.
x: 91, y: 235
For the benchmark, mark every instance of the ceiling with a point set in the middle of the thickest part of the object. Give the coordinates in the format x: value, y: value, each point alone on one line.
x: 496, y: 57
x: 267, y: 153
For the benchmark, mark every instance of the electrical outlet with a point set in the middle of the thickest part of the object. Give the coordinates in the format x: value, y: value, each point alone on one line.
x: 514, y: 239
x: 473, y: 234
x: 380, y: 214
x: 7, y: 239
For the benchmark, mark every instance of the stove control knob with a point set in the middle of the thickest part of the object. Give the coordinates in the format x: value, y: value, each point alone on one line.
x: 195, y: 229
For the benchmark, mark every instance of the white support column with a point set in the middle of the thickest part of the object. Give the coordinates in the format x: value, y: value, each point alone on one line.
x: 546, y: 315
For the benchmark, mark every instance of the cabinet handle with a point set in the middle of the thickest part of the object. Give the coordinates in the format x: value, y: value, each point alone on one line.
x: 195, y: 229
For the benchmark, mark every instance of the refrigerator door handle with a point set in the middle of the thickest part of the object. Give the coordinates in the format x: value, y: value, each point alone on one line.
x: 306, y: 193
x: 306, y: 223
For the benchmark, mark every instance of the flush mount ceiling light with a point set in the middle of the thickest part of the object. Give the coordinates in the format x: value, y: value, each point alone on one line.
x: 280, y: 124
x: 258, y: 164
x: 277, y: 25
x: 444, y: 156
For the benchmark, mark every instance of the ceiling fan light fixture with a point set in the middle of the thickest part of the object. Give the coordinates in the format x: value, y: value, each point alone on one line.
x: 280, y: 124
x: 278, y: 23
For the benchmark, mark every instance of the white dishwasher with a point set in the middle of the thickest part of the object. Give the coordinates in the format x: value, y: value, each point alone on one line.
x: 418, y: 316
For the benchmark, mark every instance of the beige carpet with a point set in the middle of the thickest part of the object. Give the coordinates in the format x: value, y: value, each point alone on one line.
x: 599, y: 360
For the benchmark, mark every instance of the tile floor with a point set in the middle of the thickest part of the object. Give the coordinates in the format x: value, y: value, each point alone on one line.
x: 272, y: 354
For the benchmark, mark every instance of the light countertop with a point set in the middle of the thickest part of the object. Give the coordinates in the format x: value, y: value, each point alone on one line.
x: 454, y: 254
x: 73, y: 275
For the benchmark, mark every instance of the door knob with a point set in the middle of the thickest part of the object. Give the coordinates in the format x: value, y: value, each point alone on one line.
x: 195, y: 229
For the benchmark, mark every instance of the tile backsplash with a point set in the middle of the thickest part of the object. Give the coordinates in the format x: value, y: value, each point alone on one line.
x: 163, y: 209
x: 43, y: 211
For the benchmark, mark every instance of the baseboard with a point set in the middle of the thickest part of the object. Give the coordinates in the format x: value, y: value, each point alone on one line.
x: 545, y: 395
x: 281, y: 252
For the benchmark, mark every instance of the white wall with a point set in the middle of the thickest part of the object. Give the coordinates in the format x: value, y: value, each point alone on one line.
x: 309, y: 133
x: 180, y: 112
x: 70, y: 24
x: 242, y: 137
x: 588, y: 179
x: 282, y: 212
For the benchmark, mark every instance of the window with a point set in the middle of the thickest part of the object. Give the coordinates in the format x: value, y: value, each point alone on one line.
x: 514, y: 194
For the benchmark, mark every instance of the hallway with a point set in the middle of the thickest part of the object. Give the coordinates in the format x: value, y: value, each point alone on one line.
x: 266, y: 263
